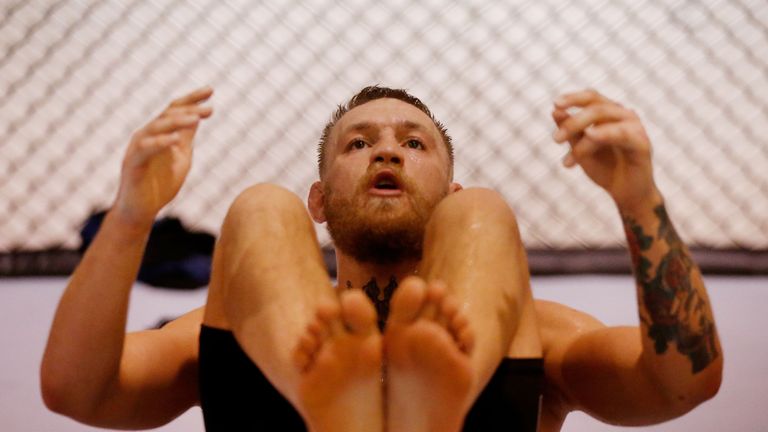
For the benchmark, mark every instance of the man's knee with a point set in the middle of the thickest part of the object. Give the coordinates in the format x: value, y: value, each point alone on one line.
x: 266, y: 204
x: 472, y: 206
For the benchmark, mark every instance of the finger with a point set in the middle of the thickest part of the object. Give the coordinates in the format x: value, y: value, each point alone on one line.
x: 171, y: 123
x: 569, y: 160
x: 559, y: 115
x: 619, y: 134
x: 202, y: 111
x: 578, y: 99
x: 194, y: 97
x: 594, y: 114
x: 583, y: 149
x: 586, y: 148
x: 152, y: 145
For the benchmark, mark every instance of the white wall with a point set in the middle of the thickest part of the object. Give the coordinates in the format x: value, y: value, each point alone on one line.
x: 27, y: 305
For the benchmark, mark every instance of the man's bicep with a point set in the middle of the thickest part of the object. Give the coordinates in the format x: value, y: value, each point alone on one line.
x: 157, y: 379
x: 603, y: 375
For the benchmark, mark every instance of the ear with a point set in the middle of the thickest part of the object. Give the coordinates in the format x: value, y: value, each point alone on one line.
x: 316, y: 202
x: 454, y: 187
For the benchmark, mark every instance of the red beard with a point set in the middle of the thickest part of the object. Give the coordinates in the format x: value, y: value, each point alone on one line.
x: 380, y: 230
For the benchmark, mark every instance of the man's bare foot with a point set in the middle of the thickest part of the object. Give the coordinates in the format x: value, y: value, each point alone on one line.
x: 427, y: 345
x: 340, y: 362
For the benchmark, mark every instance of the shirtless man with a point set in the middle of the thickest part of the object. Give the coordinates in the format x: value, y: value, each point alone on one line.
x: 450, y: 259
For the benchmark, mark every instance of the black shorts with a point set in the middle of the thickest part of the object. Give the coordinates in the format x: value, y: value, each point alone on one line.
x: 235, y: 394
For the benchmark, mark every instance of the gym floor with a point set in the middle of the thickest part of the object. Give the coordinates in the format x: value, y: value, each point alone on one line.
x: 27, y: 306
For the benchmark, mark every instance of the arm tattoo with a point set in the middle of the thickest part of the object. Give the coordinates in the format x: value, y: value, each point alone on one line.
x: 380, y: 297
x: 676, y: 311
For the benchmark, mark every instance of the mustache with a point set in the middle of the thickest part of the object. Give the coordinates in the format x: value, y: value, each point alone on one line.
x: 404, y: 182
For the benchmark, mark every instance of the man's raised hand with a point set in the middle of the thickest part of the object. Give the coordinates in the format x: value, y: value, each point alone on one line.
x: 610, y: 144
x: 159, y: 157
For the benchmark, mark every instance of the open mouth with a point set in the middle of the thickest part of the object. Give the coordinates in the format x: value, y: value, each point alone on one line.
x: 385, y: 181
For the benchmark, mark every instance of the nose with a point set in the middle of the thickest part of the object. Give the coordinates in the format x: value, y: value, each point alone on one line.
x: 388, y: 151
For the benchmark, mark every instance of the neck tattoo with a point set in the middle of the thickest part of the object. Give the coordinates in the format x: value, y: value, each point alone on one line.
x: 380, y: 296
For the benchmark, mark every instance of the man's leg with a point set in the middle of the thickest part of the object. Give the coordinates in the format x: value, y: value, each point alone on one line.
x: 472, y: 244
x: 271, y: 283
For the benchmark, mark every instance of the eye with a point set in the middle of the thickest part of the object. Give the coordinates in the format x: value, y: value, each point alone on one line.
x: 414, y: 144
x: 357, y: 144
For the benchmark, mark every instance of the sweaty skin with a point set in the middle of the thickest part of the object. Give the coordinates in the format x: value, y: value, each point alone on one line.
x: 460, y: 305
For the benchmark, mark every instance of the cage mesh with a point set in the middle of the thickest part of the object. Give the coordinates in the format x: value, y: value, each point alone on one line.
x: 78, y: 77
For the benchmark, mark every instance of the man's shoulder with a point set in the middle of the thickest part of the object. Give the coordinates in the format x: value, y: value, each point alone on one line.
x: 559, y: 327
x: 562, y: 320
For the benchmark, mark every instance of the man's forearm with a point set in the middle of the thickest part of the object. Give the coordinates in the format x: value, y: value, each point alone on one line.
x: 85, y: 344
x: 675, y: 313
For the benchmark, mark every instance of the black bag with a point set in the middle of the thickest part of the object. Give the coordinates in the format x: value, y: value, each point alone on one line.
x: 174, y: 257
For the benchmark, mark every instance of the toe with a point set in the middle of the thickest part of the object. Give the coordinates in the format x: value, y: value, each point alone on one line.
x: 458, y: 322
x: 460, y: 330
x: 408, y: 300
x: 309, y: 343
x: 317, y: 329
x: 301, y: 359
x: 329, y: 316
x: 434, y: 299
x: 358, y: 313
x: 448, y: 310
x: 466, y: 340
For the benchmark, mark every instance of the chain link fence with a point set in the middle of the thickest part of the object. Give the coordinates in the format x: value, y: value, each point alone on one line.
x: 78, y: 77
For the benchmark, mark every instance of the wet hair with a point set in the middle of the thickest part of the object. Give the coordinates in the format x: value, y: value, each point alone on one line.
x: 369, y: 94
